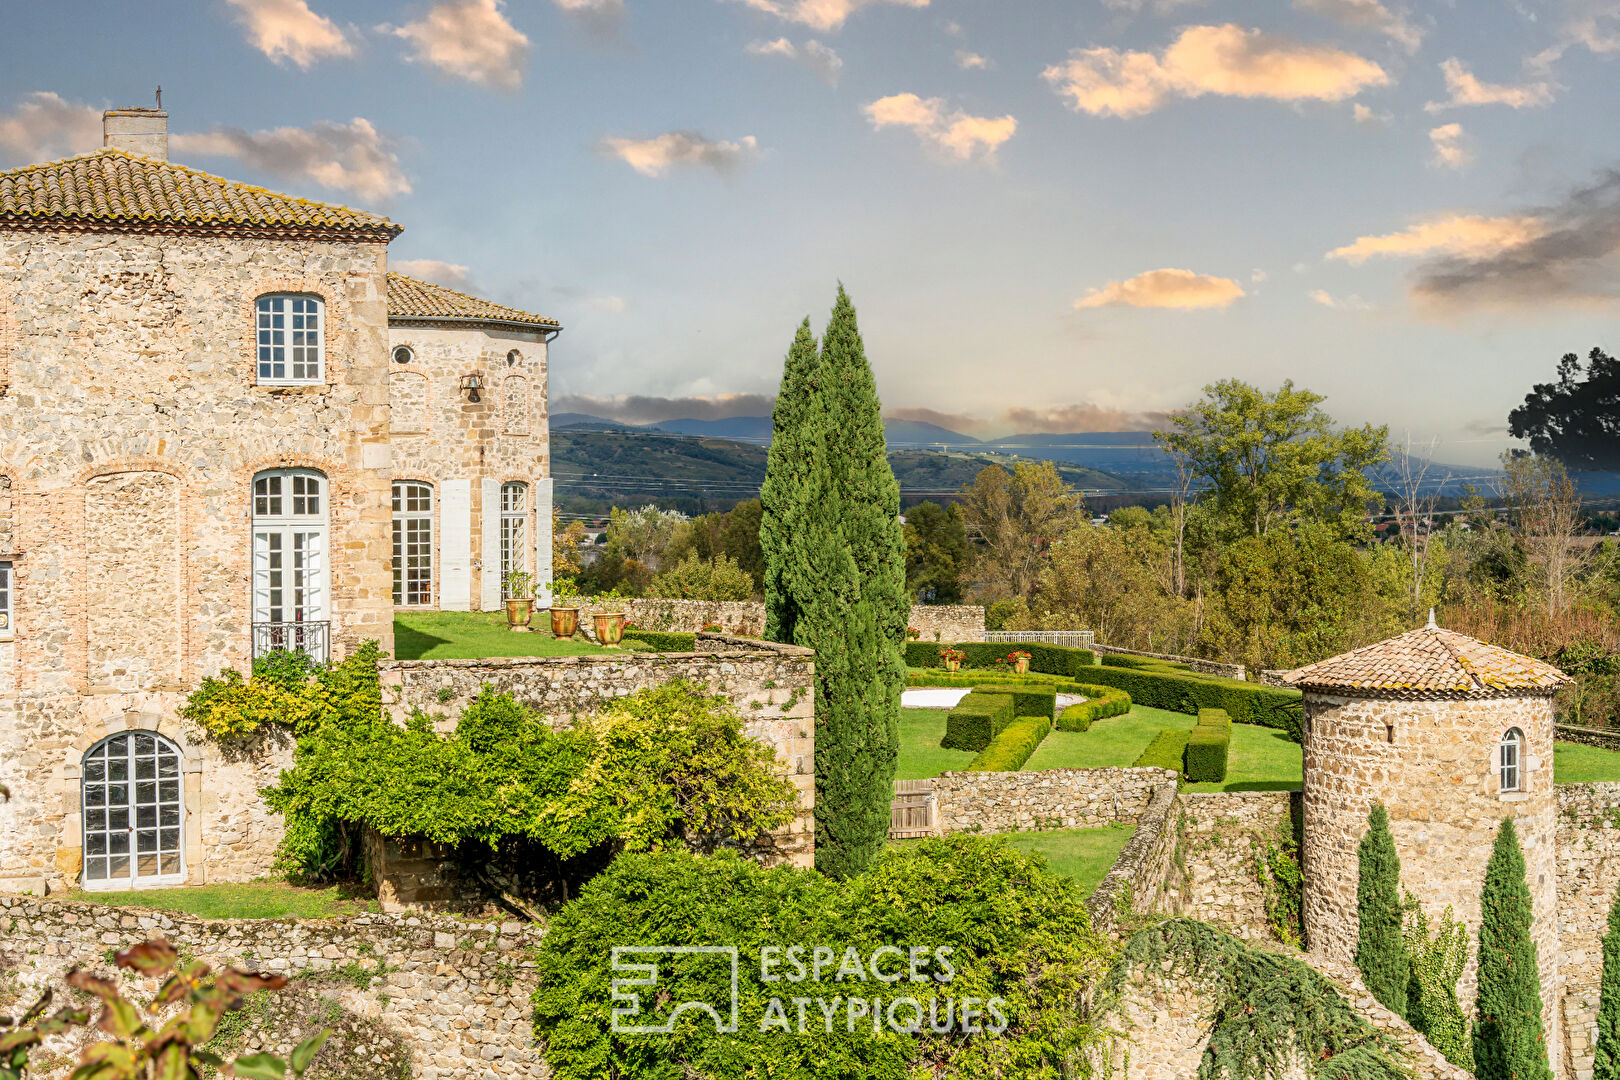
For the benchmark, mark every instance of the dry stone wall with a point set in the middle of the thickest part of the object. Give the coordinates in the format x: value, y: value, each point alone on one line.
x: 1147, y: 875
x: 1588, y: 877
x: 999, y: 802
x: 934, y: 622
x: 426, y: 996
x: 1220, y: 832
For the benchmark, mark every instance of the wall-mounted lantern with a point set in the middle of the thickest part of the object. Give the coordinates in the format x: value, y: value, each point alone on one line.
x: 472, y: 384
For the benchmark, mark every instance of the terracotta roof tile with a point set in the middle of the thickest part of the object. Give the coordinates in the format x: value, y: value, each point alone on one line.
x: 1430, y: 663
x: 412, y: 298
x: 112, y: 189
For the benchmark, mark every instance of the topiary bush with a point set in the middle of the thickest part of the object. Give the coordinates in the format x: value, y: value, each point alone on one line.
x: 1101, y: 702
x: 1050, y: 659
x: 976, y: 720
x: 663, y: 641
x: 1144, y: 663
x: 1008, y: 751
x: 1014, y: 931
x: 1167, y: 751
x: 1029, y: 699
x: 1207, y: 747
x: 1245, y: 703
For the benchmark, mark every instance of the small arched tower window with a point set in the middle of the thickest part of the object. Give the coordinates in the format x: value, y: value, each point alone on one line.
x: 514, y: 358
x: 1510, y: 760
x: 403, y: 354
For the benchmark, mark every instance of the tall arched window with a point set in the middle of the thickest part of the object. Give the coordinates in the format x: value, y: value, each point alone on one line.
x: 133, y: 814
x: 413, y: 543
x: 1510, y: 760
x: 291, y: 333
x: 514, y: 516
x: 290, y: 574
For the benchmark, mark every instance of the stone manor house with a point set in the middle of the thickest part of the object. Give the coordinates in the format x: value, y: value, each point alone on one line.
x: 225, y: 427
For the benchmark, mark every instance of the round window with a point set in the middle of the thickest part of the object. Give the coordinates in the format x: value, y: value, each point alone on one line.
x: 403, y: 354
x: 514, y: 358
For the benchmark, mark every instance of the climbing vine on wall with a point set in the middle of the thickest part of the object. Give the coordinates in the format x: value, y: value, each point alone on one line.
x: 1276, y: 864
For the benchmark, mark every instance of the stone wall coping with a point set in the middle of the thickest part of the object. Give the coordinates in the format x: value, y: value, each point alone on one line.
x: 1121, y: 881
x: 753, y: 650
x: 1027, y: 776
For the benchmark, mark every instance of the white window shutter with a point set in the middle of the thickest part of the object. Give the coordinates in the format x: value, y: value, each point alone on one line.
x: 489, y: 532
x: 455, y: 532
x: 542, y: 543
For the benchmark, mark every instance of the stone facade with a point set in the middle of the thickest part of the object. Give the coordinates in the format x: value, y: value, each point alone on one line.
x: 772, y: 686
x: 947, y: 622
x: 426, y: 996
x: 1221, y: 836
x: 955, y: 622
x: 999, y: 802
x: 131, y: 429
x: 1433, y: 764
x: 466, y: 450
x: 1588, y: 877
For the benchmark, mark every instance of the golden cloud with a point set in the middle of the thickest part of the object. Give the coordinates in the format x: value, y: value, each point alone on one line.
x: 1470, y: 236
x: 957, y: 133
x: 1167, y: 288
x: 469, y: 39
x: 289, y: 30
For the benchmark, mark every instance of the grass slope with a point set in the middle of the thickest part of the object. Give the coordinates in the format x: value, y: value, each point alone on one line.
x: 920, y: 753
x: 254, y: 900
x: 472, y: 635
x: 1574, y: 763
x: 1082, y: 854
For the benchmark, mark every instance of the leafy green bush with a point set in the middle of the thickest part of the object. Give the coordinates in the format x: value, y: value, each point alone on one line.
x: 1166, y: 751
x: 1101, y: 702
x: 1245, y: 703
x: 976, y: 720
x: 662, y: 641
x: 1028, y: 699
x: 982, y: 677
x: 720, y: 578
x: 1437, y: 960
x: 288, y: 688
x: 1017, y: 932
x: 1207, y: 746
x: 667, y: 767
x: 1050, y: 659
x: 1008, y: 751
x: 1144, y: 663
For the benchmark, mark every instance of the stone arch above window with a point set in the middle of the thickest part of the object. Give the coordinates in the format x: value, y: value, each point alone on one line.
x: 515, y: 405
x: 407, y: 400
x: 290, y: 339
x: 134, y: 812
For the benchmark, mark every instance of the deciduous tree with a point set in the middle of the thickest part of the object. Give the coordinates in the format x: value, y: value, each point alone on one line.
x: 1575, y: 420
x: 937, y: 552
x: 1016, y: 516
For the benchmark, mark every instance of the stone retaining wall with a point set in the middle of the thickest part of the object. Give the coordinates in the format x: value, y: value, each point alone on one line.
x: 1206, y: 667
x: 934, y: 622
x: 1000, y: 802
x: 1220, y: 833
x: 425, y: 996
x: 1588, y: 876
x: 1606, y: 740
x: 1146, y: 876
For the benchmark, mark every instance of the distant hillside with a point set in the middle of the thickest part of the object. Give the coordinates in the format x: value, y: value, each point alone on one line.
x: 596, y: 470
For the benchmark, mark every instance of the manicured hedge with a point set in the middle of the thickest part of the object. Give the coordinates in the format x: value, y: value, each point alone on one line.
x: 1245, y: 703
x: 1029, y: 699
x: 1008, y: 751
x: 1165, y: 751
x: 981, y: 678
x: 1052, y: 659
x: 662, y: 642
x: 1148, y: 663
x: 1101, y: 701
x: 1207, y: 747
x: 976, y: 720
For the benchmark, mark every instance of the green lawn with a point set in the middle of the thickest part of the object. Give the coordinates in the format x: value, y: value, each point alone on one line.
x: 472, y: 635
x: 1114, y: 741
x: 255, y: 900
x: 920, y: 753
x: 1574, y: 763
x: 1083, y: 854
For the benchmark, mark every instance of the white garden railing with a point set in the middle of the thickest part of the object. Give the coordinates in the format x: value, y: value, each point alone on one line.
x: 1074, y: 639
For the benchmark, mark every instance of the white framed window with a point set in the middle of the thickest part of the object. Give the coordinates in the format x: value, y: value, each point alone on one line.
x: 291, y: 332
x: 514, y: 519
x: 413, y: 543
x: 7, y: 589
x: 290, y: 574
x: 133, y: 812
x: 1510, y: 760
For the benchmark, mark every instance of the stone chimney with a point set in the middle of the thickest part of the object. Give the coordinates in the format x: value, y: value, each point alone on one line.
x: 137, y: 131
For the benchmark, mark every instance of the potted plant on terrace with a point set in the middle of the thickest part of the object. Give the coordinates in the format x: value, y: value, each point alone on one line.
x: 1020, y: 661
x: 609, y: 627
x: 564, y: 621
x: 952, y: 658
x: 519, y: 586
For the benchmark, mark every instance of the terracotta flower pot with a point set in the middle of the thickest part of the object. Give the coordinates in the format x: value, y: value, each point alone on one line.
x: 609, y: 627
x: 519, y: 612
x: 1022, y: 666
x: 564, y: 621
x: 953, y: 665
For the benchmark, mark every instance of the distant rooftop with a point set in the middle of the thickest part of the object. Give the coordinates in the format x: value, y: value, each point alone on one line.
x: 1430, y: 663
x: 414, y: 300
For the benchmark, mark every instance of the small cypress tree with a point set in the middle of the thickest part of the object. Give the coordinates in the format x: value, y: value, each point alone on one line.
x: 1509, y: 1041
x: 1606, y: 1056
x: 1380, y: 950
x: 787, y: 478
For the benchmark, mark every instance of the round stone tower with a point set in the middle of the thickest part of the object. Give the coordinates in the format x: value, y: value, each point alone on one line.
x: 1452, y: 735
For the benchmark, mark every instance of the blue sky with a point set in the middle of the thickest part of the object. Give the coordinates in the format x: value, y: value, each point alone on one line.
x: 1051, y: 215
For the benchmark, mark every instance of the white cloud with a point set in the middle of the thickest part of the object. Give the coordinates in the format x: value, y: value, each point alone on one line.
x: 1167, y: 288
x: 602, y: 19
x: 468, y: 39
x: 1450, y: 149
x: 350, y: 157
x: 450, y: 275
x: 1363, y: 115
x: 952, y: 27
x: 823, y: 15
x: 819, y: 58
x: 1468, y: 236
x: 289, y: 30
x: 1225, y: 60
x: 1158, y: 7
x: 652, y: 157
x: 956, y: 132
x: 45, y: 127
x: 972, y: 61
x: 1465, y: 89
x: 1256, y: 276
x: 1368, y: 15
x: 611, y: 304
x: 1328, y: 300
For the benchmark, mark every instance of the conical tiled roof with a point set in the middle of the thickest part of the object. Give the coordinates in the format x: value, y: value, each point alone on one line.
x: 1430, y: 663
x: 111, y: 190
x: 414, y: 299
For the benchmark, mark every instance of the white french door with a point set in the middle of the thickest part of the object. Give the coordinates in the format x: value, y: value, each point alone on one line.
x: 133, y: 813
x: 291, y: 578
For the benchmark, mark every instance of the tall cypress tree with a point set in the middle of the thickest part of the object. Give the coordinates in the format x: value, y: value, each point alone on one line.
x: 788, y: 477
x: 857, y: 744
x: 1606, y: 1056
x: 1380, y: 950
x: 1509, y: 1041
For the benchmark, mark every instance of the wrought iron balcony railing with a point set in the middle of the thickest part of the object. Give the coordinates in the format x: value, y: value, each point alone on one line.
x: 314, y: 638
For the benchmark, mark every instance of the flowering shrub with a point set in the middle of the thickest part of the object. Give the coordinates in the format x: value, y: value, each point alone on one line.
x: 711, y: 628
x: 912, y: 633
x: 952, y: 654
